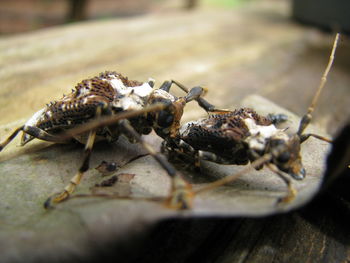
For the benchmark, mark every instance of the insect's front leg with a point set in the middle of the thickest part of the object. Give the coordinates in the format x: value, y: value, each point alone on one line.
x: 292, y: 192
x: 193, y: 93
x: 181, y: 191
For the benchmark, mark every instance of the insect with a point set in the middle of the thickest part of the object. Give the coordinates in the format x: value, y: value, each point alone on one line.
x: 242, y: 136
x: 135, y: 108
x: 110, y: 105
x: 239, y: 137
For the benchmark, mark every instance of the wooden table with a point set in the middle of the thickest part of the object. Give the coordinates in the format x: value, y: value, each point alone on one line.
x: 255, y: 49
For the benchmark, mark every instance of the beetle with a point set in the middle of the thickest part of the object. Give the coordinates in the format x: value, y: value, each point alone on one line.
x: 111, y: 105
x: 242, y: 136
x: 136, y: 108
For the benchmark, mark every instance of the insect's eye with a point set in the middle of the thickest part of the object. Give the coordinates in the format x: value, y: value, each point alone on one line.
x: 277, y: 142
x: 165, y: 119
x: 283, y: 157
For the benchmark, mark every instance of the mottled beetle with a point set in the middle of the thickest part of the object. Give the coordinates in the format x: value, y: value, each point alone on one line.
x: 110, y: 105
x: 134, y: 107
x: 239, y: 137
x: 242, y: 136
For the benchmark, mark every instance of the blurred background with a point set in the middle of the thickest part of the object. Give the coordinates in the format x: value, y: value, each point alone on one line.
x: 25, y: 15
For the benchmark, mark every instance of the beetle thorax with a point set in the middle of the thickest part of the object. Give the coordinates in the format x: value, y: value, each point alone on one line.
x: 130, y: 98
x: 259, y: 135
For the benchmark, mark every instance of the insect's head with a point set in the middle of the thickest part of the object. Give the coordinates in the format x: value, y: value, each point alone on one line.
x: 166, y: 122
x: 289, y: 160
x: 285, y: 148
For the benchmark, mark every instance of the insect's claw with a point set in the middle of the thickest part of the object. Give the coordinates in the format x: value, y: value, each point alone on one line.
x: 48, y: 204
x: 181, y: 196
x: 55, y: 199
x: 290, y: 196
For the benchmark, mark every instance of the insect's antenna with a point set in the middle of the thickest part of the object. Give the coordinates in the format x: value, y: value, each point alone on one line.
x: 109, y: 120
x: 308, y: 116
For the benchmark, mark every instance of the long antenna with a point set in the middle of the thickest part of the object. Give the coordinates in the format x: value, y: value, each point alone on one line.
x: 307, y: 117
x: 268, y: 156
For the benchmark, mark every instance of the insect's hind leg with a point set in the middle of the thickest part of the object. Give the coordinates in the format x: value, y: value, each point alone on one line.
x: 11, y: 137
x: 36, y: 133
x: 181, y: 194
x: 74, y: 182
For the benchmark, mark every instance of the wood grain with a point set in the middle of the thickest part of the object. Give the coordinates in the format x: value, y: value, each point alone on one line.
x: 254, y: 49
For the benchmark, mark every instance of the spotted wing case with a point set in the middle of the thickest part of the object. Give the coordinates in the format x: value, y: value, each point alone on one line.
x: 222, y: 133
x: 78, y: 106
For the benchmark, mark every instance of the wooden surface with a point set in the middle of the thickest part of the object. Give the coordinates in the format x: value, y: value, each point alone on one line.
x: 254, y: 49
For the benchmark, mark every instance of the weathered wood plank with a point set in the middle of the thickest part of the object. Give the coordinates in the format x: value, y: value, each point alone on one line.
x: 235, y: 53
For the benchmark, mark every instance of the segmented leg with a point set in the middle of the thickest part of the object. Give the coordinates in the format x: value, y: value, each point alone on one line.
x: 266, y: 158
x: 11, y: 137
x: 69, y: 189
x: 228, y: 179
x: 36, y: 133
x: 181, y: 194
x: 74, y: 182
x: 42, y: 135
x: 292, y: 192
x: 201, y: 102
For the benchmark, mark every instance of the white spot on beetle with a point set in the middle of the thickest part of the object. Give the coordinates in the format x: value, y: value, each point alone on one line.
x: 142, y: 91
x: 259, y: 134
x: 35, y: 118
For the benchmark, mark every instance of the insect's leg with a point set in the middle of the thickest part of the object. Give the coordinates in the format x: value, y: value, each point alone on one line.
x: 306, y: 119
x: 209, y: 156
x: 166, y: 86
x: 228, y: 179
x: 74, y: 182
x: 36, y: 133
x: 69, y: 189
x: 42, y: 135
x: 292, y: 192
x: 201, y: 102
x: 185, y: 149
x: 180, y: 150
x: 11, y: 137
x: 181, y: 193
